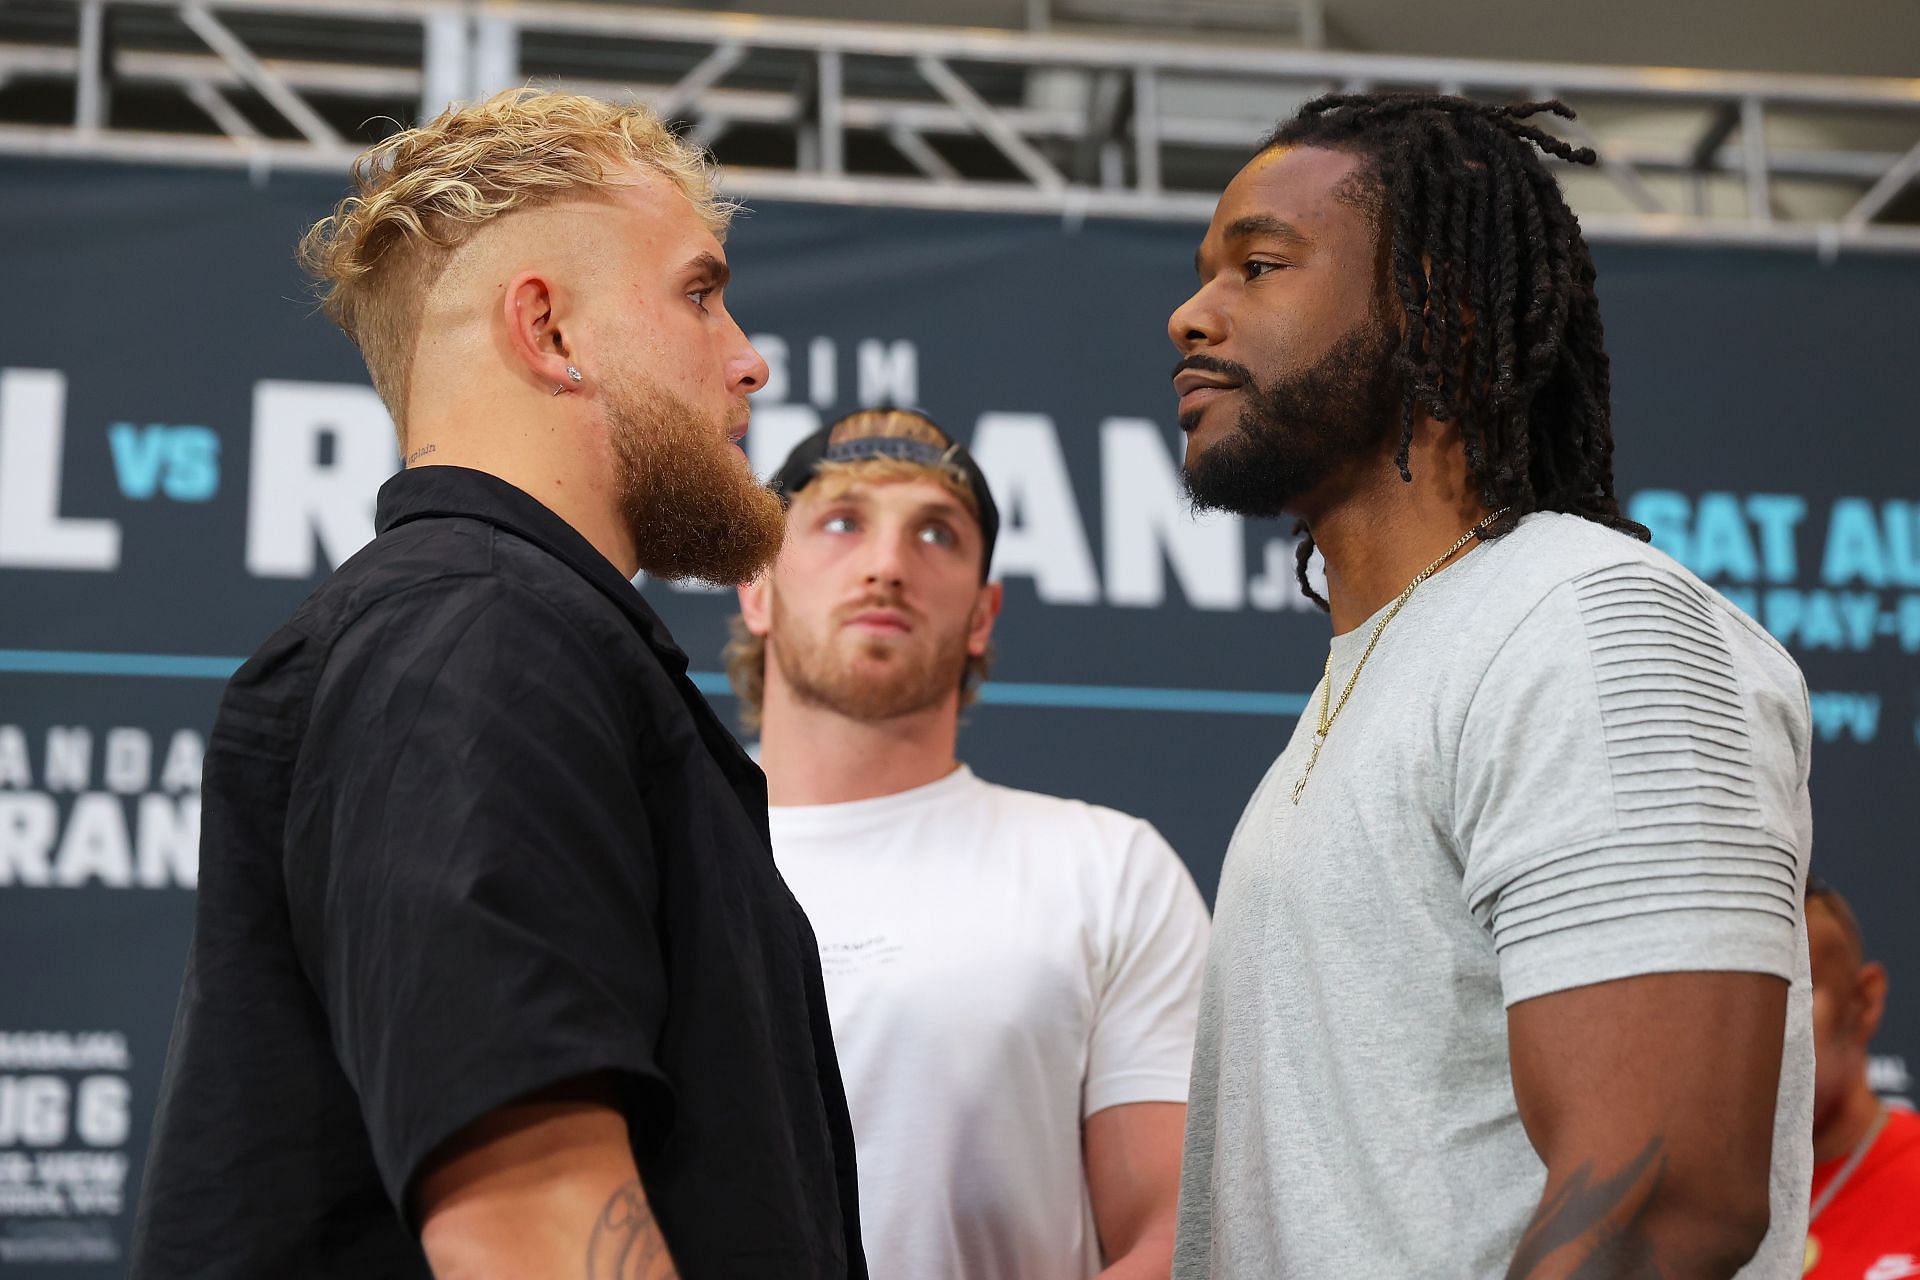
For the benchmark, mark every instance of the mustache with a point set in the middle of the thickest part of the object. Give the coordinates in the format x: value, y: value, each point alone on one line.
x: 880, y: 600
x: 1212, y: 364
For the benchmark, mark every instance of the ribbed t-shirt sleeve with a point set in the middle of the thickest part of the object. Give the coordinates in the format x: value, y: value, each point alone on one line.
x: 1630, y: 773
x: 471, y: 884
x: 1148, y: 995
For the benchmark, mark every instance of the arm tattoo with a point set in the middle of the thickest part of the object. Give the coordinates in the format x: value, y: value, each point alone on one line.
x: 418, y: 454
x: 626, y: 1243
x: 1603, y: 1221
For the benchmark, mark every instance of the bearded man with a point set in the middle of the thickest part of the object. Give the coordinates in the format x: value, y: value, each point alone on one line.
x: 1509, y: 969
x: 492, y: 971
x: 1012, y: 977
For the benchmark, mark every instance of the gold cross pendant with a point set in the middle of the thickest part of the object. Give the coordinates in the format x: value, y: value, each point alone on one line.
x: 1318, y: 738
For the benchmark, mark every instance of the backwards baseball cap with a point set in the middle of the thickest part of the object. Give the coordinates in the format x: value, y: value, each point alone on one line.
x: 804, y: 463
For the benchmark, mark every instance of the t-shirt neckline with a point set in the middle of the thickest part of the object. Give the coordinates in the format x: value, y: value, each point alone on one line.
x: 802, y: 818
x: 1349, y: 645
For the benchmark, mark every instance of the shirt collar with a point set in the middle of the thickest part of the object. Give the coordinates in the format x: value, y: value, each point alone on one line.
x: 421, y: 492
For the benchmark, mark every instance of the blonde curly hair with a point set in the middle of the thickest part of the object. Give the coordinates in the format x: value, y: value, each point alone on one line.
x: 420, y: 194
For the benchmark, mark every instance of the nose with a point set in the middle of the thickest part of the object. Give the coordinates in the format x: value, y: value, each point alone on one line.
x: 746, y: 368
x: 887, y: 560
x: 1198, y: 322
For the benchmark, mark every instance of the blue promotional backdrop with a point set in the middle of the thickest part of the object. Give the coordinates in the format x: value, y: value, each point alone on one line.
x: 186, y: 447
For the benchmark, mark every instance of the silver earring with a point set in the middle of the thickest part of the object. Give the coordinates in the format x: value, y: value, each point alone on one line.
x: 573, y: 373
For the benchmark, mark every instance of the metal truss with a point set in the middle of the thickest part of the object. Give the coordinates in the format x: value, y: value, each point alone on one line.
x: 931, y: 117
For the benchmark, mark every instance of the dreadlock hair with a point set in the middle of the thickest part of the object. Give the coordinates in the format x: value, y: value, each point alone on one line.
x: 1502, y: 326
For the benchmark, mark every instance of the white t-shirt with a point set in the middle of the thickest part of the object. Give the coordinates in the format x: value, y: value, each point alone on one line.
x: 999, y: 966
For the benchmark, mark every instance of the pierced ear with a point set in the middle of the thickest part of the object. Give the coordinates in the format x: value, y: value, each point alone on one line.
x: 531, y: 311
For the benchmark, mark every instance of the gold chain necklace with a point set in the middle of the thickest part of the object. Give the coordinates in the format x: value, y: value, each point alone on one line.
x: 1328, y: 716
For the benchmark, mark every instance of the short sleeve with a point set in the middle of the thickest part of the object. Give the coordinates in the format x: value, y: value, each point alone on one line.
x: 470, y: 880
x: 1629, y: 791
x: 1149, y: 993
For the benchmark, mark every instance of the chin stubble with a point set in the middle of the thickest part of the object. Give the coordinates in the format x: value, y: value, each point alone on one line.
x: 821, y: 675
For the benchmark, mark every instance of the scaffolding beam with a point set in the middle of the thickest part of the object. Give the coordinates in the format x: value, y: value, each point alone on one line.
x: 964, y: 118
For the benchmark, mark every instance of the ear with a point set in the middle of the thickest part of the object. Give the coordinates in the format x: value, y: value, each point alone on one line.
x: 756, y: 605
x: 1870, y: 996
x: 986, y: 609
x: 533, y: 312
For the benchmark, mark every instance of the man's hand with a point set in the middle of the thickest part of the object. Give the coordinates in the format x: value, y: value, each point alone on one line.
x: 1133, y: 1180
x: 544, y: 1188
x: 1651, y: 1100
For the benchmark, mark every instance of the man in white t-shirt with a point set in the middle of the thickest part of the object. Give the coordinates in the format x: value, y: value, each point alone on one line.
x: 1012, y: 978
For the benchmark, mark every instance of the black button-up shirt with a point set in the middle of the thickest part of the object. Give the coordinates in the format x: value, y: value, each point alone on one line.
x: 468, y: 831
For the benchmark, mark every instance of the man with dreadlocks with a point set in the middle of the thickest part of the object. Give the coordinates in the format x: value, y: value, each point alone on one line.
x: 1509, y: 967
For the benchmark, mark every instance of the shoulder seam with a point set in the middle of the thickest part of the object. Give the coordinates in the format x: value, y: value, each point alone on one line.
x: 389, y: 596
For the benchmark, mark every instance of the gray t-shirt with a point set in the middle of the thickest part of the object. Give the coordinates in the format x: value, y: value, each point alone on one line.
x: 1568, y: 761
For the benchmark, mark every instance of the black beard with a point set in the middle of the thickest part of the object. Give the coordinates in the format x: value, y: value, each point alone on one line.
x: 1299, y: 430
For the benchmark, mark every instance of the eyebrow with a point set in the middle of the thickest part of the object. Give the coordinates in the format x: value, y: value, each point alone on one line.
x: 1257, y: 224
x: 946, y: 507
x: 705, y: 264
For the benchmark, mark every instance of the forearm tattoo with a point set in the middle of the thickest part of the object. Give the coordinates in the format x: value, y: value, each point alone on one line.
x: 1604, y: 1223
x: 626, y: 1243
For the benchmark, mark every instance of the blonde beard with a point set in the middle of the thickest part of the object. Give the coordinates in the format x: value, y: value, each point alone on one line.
x: 812, y: 670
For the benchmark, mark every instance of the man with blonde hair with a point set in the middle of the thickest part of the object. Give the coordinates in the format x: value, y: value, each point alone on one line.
x: 492, y: 972
x: 1013, y: 977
